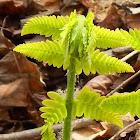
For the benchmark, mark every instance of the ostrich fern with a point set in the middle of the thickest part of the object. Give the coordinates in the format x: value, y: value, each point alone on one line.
x: 75, y: 38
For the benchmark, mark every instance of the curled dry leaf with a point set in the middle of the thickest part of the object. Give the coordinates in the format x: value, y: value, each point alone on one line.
x: 102, y: 83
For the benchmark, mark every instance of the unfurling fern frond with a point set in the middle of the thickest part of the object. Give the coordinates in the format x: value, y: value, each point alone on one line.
x: 45, y: 25
x: 133, y: 37
x: 107, y: 38
x: 123, y: 103
x: 88, y: 103
x: 105, y: 64
x: 54, y: 112
x: 48, y: 51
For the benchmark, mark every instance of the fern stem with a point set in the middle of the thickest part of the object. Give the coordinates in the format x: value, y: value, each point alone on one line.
x: 69, y: 99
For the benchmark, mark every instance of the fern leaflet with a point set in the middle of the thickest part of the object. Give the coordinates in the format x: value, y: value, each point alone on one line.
x: 105, y: 64
x: 88, y: 103
x: 107, y: 38
x: 48, y: 51
x: 54, y: 112
x: 123, y: 103
x: 45, y: 26
x: 133, y: 37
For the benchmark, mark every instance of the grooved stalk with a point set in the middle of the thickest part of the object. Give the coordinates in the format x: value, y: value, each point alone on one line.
x: 69, y: 100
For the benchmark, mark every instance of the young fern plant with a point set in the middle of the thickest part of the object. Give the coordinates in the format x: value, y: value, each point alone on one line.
x: 75, y: 38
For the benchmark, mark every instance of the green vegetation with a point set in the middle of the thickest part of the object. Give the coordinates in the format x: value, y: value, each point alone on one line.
x: 75, y: 38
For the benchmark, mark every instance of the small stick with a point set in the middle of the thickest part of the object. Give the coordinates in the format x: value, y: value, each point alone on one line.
x: 31, y: 133
x: 129, y: 79
x: 122, y: 130
x: 123, y: 83
x: 129, y: 55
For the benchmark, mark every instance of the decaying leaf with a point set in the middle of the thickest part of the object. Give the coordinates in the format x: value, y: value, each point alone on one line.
x: 102, y: 83
x: 12, y: 7
x: 113, y: 19
x: 89, y: 132
x: 14, y: 93
x: 50, y: 5
x: 133, y: 20
x: 15, y: 66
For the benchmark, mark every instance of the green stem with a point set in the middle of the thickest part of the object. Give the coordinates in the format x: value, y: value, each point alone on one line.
x: 69, y: 100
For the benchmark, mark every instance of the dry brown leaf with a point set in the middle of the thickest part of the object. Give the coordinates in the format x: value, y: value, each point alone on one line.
x: 102, y: 83
x: 15, y: 66
x: 14, y: 94
x: 90, y: 132
x: 12, y: 7
x: 5, y: 114
x: 133, y: 20
x: 19, y: 78
x: 113, y: 19
x: 88, y: 3
x: 50, y: 5
x: 3, y: 50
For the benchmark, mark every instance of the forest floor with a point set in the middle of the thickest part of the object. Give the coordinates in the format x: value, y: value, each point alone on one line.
x: 24, y: 82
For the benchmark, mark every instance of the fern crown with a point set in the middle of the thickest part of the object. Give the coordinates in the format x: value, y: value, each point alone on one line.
x: 75, y: 36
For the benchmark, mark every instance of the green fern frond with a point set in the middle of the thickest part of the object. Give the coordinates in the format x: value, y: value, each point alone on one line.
x: 45, y: 25
x: 133, y: 37
x: 88, y: 103
x: 54, y: 112
x: 102, y: 64
x: 107, y: 38
x: 123, y: 104
x: 105, y: 64
x: 48, y: 51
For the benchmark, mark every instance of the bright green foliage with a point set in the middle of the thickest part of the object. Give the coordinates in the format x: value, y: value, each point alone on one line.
x: 79, y: 38
x: 48, y: 51
x: 103, y: 64
x: 123, y: 103
x: 88, y: 103
x: 76, y: 39
x: 45, y: 25
x: 107, y: 38
x: 133, y: 38
x: 53, y: 53
x: 54, y: 112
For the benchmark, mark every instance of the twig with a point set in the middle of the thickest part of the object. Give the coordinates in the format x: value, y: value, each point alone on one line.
x: 129, y: 79
x: 123, y: 83
x: 29, y: 134
x: 129, y: 55
x: 122, y: 130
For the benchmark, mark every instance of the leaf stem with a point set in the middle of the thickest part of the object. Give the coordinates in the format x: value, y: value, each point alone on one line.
x: 69, y: 99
